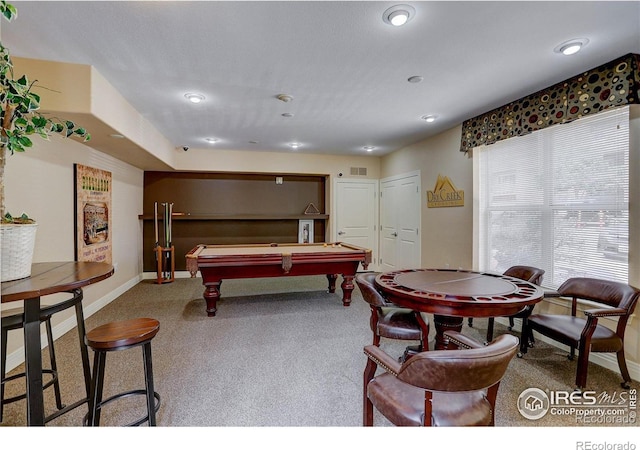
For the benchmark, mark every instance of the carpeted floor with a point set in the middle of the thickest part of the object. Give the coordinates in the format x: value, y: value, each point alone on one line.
x: 281, y: 352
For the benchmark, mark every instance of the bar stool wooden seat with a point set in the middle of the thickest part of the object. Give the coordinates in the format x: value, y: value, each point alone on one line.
x: 13, y: 319
x: 116, y: 336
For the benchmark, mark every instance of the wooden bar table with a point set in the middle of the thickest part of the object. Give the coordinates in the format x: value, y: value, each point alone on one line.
x: 49, y: 278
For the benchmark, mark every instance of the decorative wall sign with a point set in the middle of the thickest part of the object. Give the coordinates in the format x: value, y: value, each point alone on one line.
x: 616, y: 83
x: 444, y: 194
x: 93, y: 214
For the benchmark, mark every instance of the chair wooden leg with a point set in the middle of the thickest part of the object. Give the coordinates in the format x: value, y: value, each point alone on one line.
x: 583, y: 366
x: 622, y: 364
x: 367, y: 409
x: 424, y: 327
x: 526, y: 336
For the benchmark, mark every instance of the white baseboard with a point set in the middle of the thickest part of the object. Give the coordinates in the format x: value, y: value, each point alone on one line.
x: 15, y: 358
x: 606, y: 360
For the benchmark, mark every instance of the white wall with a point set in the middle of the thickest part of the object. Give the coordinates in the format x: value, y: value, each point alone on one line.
x: 40, y: 182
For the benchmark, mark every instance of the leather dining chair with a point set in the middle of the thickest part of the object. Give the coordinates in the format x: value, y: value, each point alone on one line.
x: 526, y: 273
x: 390, y: 321
x: 439, y: 387
x: 586, y: 334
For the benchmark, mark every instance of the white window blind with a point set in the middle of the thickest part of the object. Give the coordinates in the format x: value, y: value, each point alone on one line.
x: 557, y: 199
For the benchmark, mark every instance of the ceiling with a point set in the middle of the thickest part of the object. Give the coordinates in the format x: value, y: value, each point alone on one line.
x: 346, y: 69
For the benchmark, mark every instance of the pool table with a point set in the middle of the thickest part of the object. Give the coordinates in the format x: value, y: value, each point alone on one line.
x: 218, y: 262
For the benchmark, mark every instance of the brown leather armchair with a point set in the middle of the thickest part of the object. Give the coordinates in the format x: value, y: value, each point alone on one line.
x: 389, y: 320
x: 527, y: 273
x: 586, y: 334
x: 440, y: 387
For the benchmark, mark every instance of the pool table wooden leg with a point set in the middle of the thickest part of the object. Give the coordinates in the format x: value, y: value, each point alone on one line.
x: 332, y: 277
x: 347, y: 288
x: 211, y: 296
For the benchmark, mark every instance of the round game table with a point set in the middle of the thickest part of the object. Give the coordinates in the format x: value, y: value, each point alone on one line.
x: 451, y: 295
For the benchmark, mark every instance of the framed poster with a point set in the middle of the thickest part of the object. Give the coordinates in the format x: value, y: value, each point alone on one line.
x: 93, y: 214
x: 305, y: 231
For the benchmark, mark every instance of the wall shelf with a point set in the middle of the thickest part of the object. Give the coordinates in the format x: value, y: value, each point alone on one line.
x: 239, y: 208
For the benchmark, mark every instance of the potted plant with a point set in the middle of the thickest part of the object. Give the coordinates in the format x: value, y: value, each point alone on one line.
x: 17, y: 242
x: 20, y: 119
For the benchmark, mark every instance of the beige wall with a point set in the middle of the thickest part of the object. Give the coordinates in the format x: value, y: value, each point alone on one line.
x: 40, y: 183
x: 446, y: 232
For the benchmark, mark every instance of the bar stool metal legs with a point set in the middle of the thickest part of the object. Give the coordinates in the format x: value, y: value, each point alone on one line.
x: 121, y: 336
x: 14, y: 322
x: 14, y: 319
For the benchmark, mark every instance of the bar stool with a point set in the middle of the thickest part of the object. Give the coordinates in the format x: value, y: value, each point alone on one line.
x: 13, y: 319
x: 116, y: 336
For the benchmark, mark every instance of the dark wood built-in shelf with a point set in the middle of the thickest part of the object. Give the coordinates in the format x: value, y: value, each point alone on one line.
x: 231, y: 208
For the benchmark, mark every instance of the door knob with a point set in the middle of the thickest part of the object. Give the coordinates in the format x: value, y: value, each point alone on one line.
x: 340, y: 233
x: 394, y: 234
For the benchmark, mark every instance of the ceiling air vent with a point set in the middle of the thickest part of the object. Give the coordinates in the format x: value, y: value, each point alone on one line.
x: 358, y: 171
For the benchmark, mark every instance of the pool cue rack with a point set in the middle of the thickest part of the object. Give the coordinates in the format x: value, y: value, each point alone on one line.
x: 166, y: 266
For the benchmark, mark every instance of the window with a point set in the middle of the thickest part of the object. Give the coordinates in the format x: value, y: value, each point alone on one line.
x: 557, y: 199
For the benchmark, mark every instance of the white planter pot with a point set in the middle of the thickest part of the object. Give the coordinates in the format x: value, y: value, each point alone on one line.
x: 17, y: 242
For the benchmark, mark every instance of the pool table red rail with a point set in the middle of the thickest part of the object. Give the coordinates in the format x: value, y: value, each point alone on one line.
x: 218, y: 262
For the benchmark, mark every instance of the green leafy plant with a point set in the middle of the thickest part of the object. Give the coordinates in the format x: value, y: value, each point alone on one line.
x: 8, y: 218
x: 19, y: 118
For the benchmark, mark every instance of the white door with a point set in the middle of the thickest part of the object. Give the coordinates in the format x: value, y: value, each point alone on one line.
x: 356, y: 212
x: 400, y: 207
x: 388, y: 226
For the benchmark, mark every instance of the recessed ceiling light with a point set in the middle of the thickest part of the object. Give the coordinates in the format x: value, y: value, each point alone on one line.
x: 368, y: 148
x: 253, y: 142
x: 429, y: 118
x: 284, y: 97
x: 211, y: 140
x: 398, y: 15
x: 415, y: 79
x: 571, y: 47
x: 116, y: 136
x: 294, y: 145
x: 287, y: 114
x: 194, y: 98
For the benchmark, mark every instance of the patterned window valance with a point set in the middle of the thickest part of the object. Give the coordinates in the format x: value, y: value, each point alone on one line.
x: 616, y: 83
